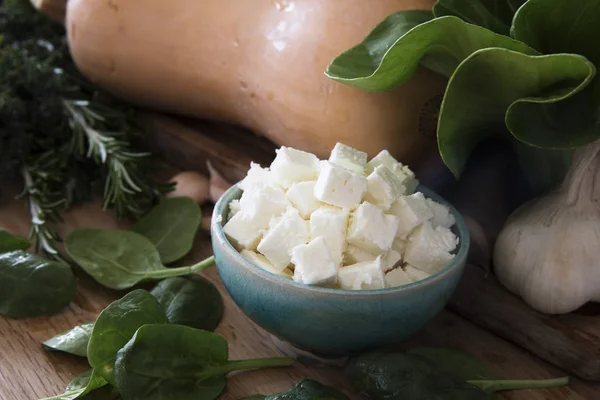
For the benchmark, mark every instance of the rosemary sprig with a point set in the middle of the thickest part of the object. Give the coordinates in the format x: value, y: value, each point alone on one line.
x: 62, y: 136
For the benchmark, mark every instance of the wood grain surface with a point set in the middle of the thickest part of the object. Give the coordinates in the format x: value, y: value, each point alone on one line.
x: 27, y: 371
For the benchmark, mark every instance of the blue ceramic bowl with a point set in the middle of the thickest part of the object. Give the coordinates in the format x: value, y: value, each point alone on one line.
x: 328, y: 321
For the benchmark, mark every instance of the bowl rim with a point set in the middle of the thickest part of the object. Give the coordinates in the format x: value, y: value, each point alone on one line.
x: 234, y: 192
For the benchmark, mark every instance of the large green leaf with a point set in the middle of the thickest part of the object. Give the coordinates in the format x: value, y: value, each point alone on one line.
x: 489, y: 91
x: 560, y: 26
x: 390, y: 55
x: 495, y: 15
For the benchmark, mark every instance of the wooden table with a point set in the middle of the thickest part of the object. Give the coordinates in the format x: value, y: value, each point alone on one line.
x: 28, y: 372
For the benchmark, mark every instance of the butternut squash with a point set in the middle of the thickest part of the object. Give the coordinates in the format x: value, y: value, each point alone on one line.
x: 256, y: 63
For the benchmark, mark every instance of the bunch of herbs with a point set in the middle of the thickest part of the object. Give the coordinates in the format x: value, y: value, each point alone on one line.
x: 60, y: 136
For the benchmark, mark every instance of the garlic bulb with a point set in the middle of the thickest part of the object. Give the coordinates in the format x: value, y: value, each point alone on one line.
x: 548, y: 252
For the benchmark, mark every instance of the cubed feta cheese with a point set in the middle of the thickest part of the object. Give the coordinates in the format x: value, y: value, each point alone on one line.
x: 415, y: 273
x: 340, y: 187
x: 291, y: 166
x: 313, y: 264
x: 426, y: 249
x: 399, y: 245
x: 234, y: 208
x: 301, y: 195
x: 383, y: 187
x: 355, y: 255
x: 441, y: 214
x: 262, y: 262
x: 391, y: 258
x: 371, y: 229
x: 365, y: 275
x: 348, y: 157
x: 257, y: 177
x: 397, y: 277
x: 407, y: 177
x: 386, y: 159
x: 260, y: 204
x: 447, y: 240
x: 332, y: 224
x: 240, y: 231
x: 277, y: 244
x: 412, y: 211
x: 403, y: 172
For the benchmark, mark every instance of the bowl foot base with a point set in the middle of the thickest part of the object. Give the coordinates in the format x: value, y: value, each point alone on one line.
x: 306, y: 357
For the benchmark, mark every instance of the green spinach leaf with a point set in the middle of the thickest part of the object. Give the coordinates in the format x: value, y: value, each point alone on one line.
x: 120, y: 259
x: 390, y: 55
x: 461, y: 365
x: 10, y: 242
x: 178, y: 362
x: 80, y: 386
x: 171, y: 226
x: 495, y: 15
x: 428, y: 374
x: 191, y: 301
x: 32, y: 286
x: 74, y: 341
x: 116, y: 324
x: 307, y: 389
x: 398, y: 376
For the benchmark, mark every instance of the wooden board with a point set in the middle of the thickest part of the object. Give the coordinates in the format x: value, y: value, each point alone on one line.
x: 29, y: 372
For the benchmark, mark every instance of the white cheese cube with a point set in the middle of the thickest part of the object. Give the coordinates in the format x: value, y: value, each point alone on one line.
x: 386, y: 159
x: 340, y: 187
x: 262, y: 262
x: 391, y: 259
x: 301, y: 195
x: 349, y: 158
x: 383, y: 187
x: 241, y: 232
x: 446, y: 239
x: 415, y: 273
x: 399, y: 245
x: 441, y: 214
x: 355, y: 255
x: 257, y: 177
x: 403, y: 172
x: 260, y: 204
x: 365, y: 275
x: 313, y: 264
x: 397, y: 277
x: 291, y: 166
x: 407, y: 177
x: 426, y: 249
x: 332, y: 224
x: 412, y: 211
x: 371, y: 229
x: 277, y: 244
x: 234, y: 208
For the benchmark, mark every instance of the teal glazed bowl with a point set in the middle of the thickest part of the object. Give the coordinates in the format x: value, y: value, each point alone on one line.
x: 333, y: 322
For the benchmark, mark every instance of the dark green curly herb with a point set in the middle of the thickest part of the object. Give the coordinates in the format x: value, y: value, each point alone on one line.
x: 61, y: 136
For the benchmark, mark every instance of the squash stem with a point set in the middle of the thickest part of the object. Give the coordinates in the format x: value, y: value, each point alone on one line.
x: 492, y: 386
